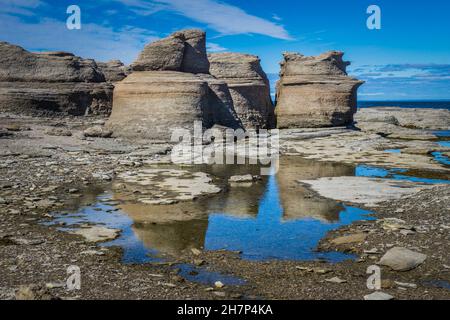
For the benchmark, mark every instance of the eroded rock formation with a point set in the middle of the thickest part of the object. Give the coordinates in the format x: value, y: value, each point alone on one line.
x: 169, y: 89
x: 315, y: 91
x: 249, y: 87
x: 114, y: 70
x: 51, y: 82
x: 183, y: 51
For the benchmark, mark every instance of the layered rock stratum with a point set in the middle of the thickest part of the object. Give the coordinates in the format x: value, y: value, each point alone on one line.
x: 315, y: 91
x: 171, y: 88
x: 249, y: 87
x: 51, y: 82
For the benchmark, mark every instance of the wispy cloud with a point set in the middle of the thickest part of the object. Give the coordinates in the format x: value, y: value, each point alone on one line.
x: 20, y: 7
x: 219, y: 16
x: 412, y: 81
x: 436, y: 71
x: 92, y: 41
x: 214, y: 47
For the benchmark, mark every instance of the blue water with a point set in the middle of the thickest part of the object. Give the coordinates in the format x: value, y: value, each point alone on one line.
x: 439, y: 157
x: 134, y: 251
x: 393, y: 150
x: 375, y: 172
x: 433, y: 104
x: 268, y: 236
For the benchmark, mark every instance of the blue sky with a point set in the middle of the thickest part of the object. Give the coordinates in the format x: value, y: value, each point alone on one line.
x: 407, y: 59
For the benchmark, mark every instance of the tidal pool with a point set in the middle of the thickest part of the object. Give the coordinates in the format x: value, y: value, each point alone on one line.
x: 275, y: 217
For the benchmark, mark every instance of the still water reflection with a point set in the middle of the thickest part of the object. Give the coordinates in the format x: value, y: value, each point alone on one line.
x: 274, y: 218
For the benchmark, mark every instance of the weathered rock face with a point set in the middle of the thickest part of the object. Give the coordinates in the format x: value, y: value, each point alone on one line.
x: 249, y: 87
x: 195, y: 59
x: 51, y: 82
x: 114, y: 70
x: 183, y: 51
x: 315, y: 91
x: 151, y: 104
x: 171, y: 88
x: 162, y: 55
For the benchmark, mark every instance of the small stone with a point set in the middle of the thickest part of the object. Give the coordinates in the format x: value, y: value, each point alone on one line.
x: 371, y: 251
x: 54, y: 285
x: 196, y: 251
x: 93, y: 253
x: 402, y: 259
x: 336, y: 280
x: 406, y: 285
x: 219, y: 284
x: 220, y: 294
x: 97, y: 132
x: 240, y: 179
x: 378, y: 295
x: 73, y: 190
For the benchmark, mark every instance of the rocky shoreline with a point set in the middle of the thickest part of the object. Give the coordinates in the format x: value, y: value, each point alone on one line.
x: 43, y: 172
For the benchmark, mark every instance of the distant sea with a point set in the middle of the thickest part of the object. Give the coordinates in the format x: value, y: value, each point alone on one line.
x: 432, y: 104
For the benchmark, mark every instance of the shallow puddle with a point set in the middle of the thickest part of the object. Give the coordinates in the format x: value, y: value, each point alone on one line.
x: 272, y: 218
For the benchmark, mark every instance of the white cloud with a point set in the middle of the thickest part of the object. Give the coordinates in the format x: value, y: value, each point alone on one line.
x: 214, y: 47
x: 92, y: 41
x: 20, y: 7
x: 276, y: 17
x: 222, y: 17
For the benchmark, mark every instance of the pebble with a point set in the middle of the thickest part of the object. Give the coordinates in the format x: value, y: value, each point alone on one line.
x: 378, y: 295
x: 336, y: 280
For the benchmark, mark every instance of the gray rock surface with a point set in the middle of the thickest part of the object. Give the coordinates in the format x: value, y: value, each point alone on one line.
x: 402, y: 259
x: 412, y: 118
x: 161, y: 55
x: 114, y: 70
x: 249, y: 87
x: 183, y: 51
x: 195, y: 59
x: 378, y: 295
x: 51, y: 82
x: 315, y: 91
x: 152, y: 104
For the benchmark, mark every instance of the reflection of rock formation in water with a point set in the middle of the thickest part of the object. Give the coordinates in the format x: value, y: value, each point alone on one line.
x: 172, y: 238
x: 238, y: 201
x: 299, y: 202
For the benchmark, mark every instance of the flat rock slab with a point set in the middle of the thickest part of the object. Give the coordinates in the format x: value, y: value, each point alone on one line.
x: 97, y: 233
x: 378, y: 295
x: 173, y: 185
x: 239, y: 179
x: 353, y: 238
x: 362, y: 190
x: 402, y: 259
